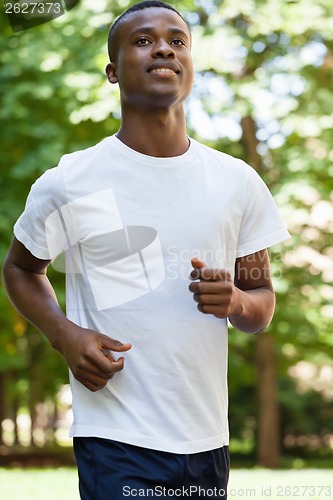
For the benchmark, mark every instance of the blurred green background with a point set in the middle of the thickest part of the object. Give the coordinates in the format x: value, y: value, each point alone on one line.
x: 263, y: 92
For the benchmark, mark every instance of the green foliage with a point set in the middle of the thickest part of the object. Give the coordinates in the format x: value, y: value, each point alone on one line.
x: 267, y: 60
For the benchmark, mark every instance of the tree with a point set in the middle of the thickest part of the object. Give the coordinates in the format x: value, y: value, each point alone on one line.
x: 263, y: 81
x: 269, y: 74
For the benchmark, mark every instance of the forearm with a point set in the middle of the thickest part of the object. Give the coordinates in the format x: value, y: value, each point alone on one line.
x: 86, y: 352
x: 254, y: 309
x: 33, y: 296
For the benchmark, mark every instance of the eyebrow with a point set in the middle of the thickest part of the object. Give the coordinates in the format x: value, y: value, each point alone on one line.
x: 150, y: 29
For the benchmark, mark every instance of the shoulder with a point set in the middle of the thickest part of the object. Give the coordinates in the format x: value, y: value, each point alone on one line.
x: 71, y: 159
x: 52, y: 185
x: 221, y: 160
x: 83, y: 155
x: 48, y: 181
x: 78, y: 172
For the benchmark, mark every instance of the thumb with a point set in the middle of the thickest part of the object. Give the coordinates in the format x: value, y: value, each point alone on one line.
x: 197, y: 263
x: 113, y: 345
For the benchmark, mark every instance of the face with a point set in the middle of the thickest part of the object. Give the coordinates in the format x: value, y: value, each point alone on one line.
x: 153, y: 65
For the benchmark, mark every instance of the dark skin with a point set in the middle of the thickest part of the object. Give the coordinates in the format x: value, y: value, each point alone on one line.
x: 154, y: 70
x: 86, y: 352
x: 248, y: 300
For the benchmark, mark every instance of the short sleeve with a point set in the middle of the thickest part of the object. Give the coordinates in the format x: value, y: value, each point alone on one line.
x: 40, y: 227
x: 261, y: 225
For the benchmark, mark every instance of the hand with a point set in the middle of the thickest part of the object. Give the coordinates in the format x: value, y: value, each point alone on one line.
x: 215, y: 291
x: 88, y: 356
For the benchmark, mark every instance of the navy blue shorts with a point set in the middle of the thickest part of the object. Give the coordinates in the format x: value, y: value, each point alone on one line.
x: 109, y: 470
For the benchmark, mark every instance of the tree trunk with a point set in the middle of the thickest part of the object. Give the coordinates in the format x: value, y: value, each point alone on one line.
x: 268, y: 448
x: 250, y: 142
x: 268, y: 411
x: 15, y: 419
x: 32, y: 410
x: 2, y: 404
x: 55, y: 419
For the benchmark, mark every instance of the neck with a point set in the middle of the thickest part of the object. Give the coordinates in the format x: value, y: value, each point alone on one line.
x: 159, y: 134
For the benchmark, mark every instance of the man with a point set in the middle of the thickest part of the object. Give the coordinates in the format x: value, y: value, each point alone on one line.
x: 136, y: 215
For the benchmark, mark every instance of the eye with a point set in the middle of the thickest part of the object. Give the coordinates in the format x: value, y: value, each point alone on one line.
x: 178, y: 41
x: 142, y: 41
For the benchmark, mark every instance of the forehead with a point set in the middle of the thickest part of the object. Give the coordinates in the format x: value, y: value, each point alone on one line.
x: 154, y: 17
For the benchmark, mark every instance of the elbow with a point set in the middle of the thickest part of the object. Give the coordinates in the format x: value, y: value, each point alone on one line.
x: 6, y: 273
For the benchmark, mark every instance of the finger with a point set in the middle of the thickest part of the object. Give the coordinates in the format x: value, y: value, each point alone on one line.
x: 196, y: 264
x: 113, y: 365
x: 114, y: 345
x: 204, y: 273
x: 117, y: 366
x: 94, y: 369
x: 89, y: 385
x: 217, y: 311
x: 207, y: 299
x: 210, y: 274
x: 208, y: 287
x: 107, y: 354
x: 101, y: 376
x: 97, y: 361
x: 92, y: 382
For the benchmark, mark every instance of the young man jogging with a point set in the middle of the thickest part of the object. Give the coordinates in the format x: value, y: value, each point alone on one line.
x: 136, y: 216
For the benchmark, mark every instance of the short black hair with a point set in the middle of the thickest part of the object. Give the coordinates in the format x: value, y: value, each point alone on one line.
x: 112, y: 46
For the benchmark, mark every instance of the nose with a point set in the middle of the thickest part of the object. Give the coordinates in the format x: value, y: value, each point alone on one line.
x: 163, y: 49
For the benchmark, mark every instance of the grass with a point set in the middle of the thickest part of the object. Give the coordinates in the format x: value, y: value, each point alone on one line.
x: 38, y: 484
x: 305, y: 484
x: 61, y: 483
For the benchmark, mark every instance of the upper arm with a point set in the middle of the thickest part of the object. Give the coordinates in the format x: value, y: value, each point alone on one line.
x: 253, y: 271
x: 19, y: 256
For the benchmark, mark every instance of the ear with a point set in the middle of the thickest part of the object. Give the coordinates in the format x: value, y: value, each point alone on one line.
x: 111, y: 73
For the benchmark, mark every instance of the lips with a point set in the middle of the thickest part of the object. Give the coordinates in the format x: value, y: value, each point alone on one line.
x: 163, y: 69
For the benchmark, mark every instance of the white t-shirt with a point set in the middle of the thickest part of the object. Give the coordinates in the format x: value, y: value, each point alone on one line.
x: 129, y: 225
